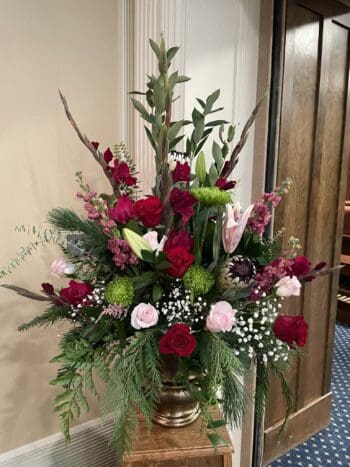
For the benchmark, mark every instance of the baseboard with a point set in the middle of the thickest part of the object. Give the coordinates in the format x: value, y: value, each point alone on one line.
x: 89, y: 448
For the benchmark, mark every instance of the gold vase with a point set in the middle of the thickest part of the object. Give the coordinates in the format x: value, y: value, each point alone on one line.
x: 176, y: 406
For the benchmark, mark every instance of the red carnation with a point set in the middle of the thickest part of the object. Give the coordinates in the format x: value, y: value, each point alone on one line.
x: 182, y: 203
x: 223, y: 184
x: 180, y: 260
x: 123, y: 210
x: 121, y: 173
x: 181, y: 173
x: 179, y: 238
x: 76, y: 292
x: 178, y: 340
x: 291, y: 329
x: 300, y: 266
x: 149, y: 211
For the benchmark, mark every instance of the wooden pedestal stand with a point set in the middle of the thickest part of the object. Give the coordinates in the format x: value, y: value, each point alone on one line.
x: 178, y: 447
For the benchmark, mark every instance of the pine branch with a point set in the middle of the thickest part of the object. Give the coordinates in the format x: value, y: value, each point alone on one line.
x: 50, y: 316
x: 98, y: 156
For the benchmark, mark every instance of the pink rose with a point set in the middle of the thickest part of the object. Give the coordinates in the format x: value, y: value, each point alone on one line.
x: 287, y: 286
x: 144, y: 315
x: 60, y: 267
x: 221, y: 317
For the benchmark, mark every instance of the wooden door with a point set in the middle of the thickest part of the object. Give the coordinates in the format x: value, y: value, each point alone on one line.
x: 313, y: 150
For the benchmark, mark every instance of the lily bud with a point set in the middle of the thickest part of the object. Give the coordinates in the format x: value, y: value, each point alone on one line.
x: 136, y: 242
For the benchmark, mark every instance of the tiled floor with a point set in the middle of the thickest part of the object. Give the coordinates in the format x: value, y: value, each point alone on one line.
x: 330, y: 447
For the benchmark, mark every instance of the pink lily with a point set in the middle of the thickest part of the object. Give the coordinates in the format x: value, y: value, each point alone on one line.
x: 234, y: 226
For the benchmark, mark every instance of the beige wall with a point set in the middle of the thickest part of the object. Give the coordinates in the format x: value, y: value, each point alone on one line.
x: 45, y: 45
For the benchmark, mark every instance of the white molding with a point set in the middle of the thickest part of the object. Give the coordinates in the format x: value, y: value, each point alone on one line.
x: 89, y: 448
x: 148, y: 19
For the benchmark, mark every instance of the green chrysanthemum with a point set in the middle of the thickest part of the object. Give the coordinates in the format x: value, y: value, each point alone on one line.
x: 120, y: 291
x: 211, y: 196
x: 198, y: 280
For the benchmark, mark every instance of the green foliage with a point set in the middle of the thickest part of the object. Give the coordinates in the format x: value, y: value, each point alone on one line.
x: 222, y: 371
x: 75, y: 376
x: 41, y: 237
x: 65, y: 220
x: 49, y: 316
x: 134, y: 384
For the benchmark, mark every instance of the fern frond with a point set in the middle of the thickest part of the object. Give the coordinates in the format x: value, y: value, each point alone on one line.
x: 49, y: 316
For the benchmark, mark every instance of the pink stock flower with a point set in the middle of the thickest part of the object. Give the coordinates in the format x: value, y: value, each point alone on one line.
x: 287, y: 286
x: 221, y: 317
x: 234, y: 226
x: 260, y: 218
x: 272, y: 198
x: 122, y: 253
x: 60, y: 267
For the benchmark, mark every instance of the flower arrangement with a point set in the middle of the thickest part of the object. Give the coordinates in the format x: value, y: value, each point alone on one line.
x: 183, y: 272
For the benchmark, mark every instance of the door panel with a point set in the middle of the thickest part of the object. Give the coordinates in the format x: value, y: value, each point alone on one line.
x: 313, y: 150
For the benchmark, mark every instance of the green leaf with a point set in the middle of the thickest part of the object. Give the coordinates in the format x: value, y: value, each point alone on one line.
x: 213, y: 175
x: 155, y: 48
x: 147, y: 255
x: 213, y: 424
x: 140, y: 108
x: 145, y: 279
x: 211, y: 99
x: 150, y: 138
x: 216, y: 440
x: 182, y: 79
x: 157, y: 292
x: 139, y: 93
x: 175, y: 142
x: 174, y: 129
x: 217, y: 155
x: 171, y: 53
x: 196, y: 116
x: 201, y: 102
x: 198, y: 131
x: 159, y: 97
x: 216, y: 123
x: 231, y: 133
x: 173, y: 79
x: 200, y: 169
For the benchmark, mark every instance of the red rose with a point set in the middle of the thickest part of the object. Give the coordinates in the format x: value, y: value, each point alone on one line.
x: 181, y: 173
x: 123, y: 210
x: 291, y: 329
x: 180, y: 260
x: 149, y: 211
x: 179, y: 238
x: 300, y: 266
x: 76, y: 292
x: 182, y: 203
x: 223, y: 184
x: 178, y: 340
x: 121, y: 173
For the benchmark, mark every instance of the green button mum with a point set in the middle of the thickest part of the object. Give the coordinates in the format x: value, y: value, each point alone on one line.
x: 198, y: 280
x: 211, y: 196
x: 120, y: 291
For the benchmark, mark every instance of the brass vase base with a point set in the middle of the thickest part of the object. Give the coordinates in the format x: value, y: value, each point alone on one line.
x: 176, y: 407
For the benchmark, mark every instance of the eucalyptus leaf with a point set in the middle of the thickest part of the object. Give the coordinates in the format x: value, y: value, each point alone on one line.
x: 183, y: 79
x: 155, y: 47
x: 211, y: 99
x: 217, y: 155
x: 159, y: 97
x: 231, y: 133
x: 140, y: 108
x: 213, y: 175
x: 174, y: 129
x: 198, y: 131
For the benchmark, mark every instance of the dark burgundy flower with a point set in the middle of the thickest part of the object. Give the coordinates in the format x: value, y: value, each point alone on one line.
x: 95, y: 144
x: 223, y: 184
x: 182, y: 203
x: 121, y: 173
x: 320, y: 266
x: 178, y: 340
x: 291, y: 329
x: 149, y: 211
x: 123, y: 210
x: 76, y: 292
x: 300, y: 266
x: 181, y: 173
x: 179, y: 238
x: 180, y: 260
x: 108, y: 156
x: 48, y: 288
